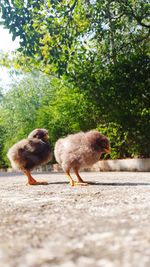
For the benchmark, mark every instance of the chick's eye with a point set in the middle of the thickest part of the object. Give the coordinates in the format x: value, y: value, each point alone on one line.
x: 39, y: 135
x: 104, y: 144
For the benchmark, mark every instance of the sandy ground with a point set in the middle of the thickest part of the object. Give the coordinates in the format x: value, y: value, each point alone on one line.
x: 105, y: 224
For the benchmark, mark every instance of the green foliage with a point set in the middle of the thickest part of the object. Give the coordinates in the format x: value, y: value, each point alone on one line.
x: 53, y: 32
x: 121, y: 93
x: 18, y: 109
x: 69, y: 111
x: 100, y: 51
x: 39, y: 102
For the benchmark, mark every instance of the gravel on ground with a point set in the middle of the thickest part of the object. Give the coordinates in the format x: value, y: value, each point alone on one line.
x: 104, y: 224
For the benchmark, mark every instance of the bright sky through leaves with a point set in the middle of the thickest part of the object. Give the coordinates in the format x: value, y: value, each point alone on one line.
x: 6, y: 43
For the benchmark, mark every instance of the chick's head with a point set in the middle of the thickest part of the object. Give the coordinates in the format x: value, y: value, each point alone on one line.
x: 39, y: 134
x: 99, y: 142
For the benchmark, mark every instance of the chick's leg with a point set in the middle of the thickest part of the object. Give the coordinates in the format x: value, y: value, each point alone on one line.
x: 72, y: 182
x: 31, y: 180
x: 80, y: 180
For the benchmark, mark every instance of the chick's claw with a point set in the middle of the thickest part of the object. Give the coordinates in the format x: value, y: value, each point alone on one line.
x: 73, y: 183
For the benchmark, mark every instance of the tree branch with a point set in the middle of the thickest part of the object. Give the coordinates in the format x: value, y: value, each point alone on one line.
x: 137, y: 18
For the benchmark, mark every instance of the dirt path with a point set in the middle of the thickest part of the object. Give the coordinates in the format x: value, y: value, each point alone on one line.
x: 106, y: 224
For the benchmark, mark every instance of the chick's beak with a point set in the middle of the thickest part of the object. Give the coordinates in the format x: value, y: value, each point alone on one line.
x: 46, y: 137
x: 107, y: 150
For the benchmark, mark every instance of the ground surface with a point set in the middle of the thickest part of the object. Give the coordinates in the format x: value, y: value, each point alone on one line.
x: 106, y: 224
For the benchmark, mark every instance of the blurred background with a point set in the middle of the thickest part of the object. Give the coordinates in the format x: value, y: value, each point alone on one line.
x: 71, y: 66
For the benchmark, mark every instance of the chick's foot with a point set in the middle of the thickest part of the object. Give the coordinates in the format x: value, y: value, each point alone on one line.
x: 36, y: 183
x: 73, y: 183
x: 31, y: 180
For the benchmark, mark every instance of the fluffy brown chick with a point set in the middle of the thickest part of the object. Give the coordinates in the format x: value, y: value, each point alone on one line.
x: 80, y: 150
x: 30, y: 153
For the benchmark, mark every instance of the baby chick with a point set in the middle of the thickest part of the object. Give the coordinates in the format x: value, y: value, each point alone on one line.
x: 80, y: 150
x: 30, y: 153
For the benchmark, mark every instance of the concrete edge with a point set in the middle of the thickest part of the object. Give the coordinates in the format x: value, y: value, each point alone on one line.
x: 141, y: 165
